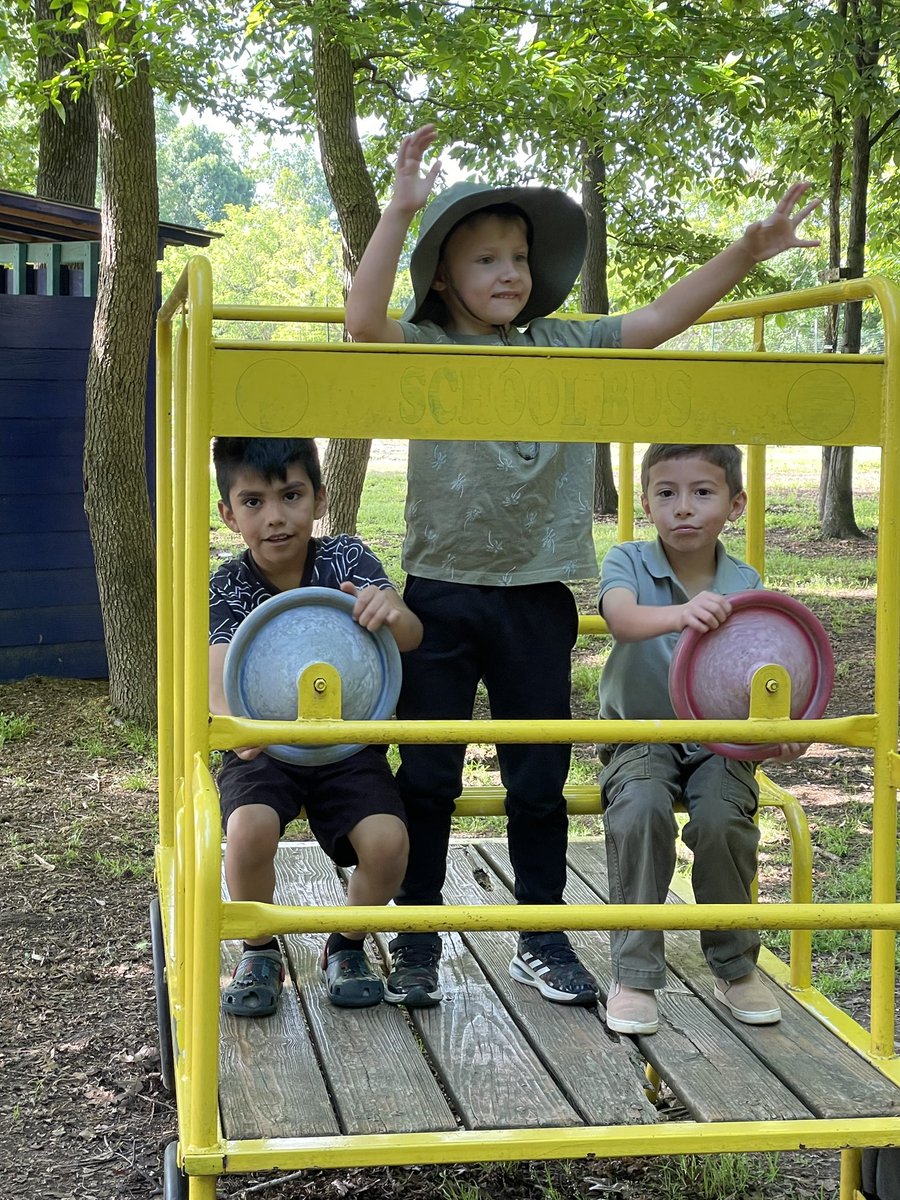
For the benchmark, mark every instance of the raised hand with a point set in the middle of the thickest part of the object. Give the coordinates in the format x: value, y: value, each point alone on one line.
x: 778, y: 231
x: 411, y: 187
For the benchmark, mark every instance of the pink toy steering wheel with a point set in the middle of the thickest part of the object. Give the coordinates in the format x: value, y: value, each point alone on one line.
x: 711, y: 672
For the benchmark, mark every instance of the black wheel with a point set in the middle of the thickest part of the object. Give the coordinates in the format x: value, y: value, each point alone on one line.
x: 175, y: 1182
x: 161, y: 989
x: 881, y: 1173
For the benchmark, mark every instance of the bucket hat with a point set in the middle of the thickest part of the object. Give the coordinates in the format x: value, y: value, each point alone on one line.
x: 559, y: 240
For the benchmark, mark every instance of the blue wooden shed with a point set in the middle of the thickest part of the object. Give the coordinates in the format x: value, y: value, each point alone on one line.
x: 50, y: 620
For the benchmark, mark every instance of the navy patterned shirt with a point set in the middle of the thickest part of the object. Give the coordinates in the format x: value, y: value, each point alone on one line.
x: 238, y: 586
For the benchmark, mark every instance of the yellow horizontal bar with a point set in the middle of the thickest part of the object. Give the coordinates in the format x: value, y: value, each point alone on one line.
x: 587, y: 623
x: 225, y: 732
x: 568, y: 395
x: 510, y: 1145
x: 873, y: 288
x: 456, y: 350
x: 487, y: 800
x: 289, y: 313
x: 239, y: 916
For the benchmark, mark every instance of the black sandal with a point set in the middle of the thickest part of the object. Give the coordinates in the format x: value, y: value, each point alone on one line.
x: 256, y: 984
x: 351, y: 980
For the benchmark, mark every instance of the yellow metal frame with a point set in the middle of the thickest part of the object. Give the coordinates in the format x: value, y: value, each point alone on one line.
x: 208, y: 385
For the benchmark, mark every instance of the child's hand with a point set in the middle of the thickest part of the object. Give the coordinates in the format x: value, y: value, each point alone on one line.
x: 374, y: 606
x: 788, y: 751
x: 764, y: 239
x: 247, y: 753
x: 705, y: 611
x: 411, y: 188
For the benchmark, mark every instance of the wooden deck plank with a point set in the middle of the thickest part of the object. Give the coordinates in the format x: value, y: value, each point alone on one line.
x: 712, y: 1072
x: 378, y: 1079
x: 270, y: 1084
x: 823, y: 1071
x: 494, y: 1077
x: 602, y: 1078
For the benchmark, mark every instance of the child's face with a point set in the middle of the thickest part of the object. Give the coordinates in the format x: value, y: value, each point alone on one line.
x: 275, y: 518
x: 689, y: 502
x: 483, y: 277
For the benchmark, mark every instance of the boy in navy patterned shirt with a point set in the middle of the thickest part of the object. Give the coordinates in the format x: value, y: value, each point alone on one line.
x: 271, y: 493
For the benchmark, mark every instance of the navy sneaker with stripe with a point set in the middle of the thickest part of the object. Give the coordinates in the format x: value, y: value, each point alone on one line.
x: 546, y: 961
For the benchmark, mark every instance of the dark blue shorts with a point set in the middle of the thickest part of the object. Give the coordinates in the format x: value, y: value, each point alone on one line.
x: 335, y: 796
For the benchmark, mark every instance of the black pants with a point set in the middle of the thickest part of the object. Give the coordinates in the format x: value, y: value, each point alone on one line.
x: 519, y: 641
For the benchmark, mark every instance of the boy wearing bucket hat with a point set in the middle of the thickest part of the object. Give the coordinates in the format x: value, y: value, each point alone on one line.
x: 495, y: 529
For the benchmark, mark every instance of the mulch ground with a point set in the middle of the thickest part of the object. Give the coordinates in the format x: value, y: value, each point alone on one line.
x: 82, y: 1112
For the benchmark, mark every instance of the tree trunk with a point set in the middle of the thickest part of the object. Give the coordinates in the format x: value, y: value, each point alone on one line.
x: 595, y: 298
x: 832, y: 313
x: 350, y: 185
x: 115, y: 478
x: 838, y: 519
x: 67, y: 147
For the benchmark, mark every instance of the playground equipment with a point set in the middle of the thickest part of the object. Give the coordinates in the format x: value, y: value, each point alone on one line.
x: 714, y: 673
x: 518, y: 1078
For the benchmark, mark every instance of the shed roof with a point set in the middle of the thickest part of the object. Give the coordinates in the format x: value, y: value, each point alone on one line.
x: 25, y: 218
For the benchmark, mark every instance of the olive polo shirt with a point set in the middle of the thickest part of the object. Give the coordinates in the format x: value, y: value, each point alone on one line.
x: 504, y: 513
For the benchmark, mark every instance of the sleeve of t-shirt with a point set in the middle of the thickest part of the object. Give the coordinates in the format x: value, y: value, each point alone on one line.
x: 753, y: 580
x: 348, y: 558
x: 426, y: 333
x: 604, y: 334
x: 617, y: 571
x: 366, y: 566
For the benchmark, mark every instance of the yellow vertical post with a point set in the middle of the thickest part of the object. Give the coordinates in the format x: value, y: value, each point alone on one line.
x: 202, y: 876
x: 165, y: 676
x: 887, y: 665
x: 755, y: 551
x: 202, y: 1187
x: 183, y: 829
x: 851, y: 1174
x: 196, y: 582
x: 204, y: 1108
x: 176, y: 598
x: 626, y: 492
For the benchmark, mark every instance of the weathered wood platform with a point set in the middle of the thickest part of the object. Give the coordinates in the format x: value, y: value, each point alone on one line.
x: 495, y: 1054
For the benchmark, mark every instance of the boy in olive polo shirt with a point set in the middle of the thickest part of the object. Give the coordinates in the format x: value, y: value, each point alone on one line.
x: 649, y: 593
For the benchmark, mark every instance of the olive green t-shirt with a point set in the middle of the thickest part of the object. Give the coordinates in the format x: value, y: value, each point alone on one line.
x: 504, y: 513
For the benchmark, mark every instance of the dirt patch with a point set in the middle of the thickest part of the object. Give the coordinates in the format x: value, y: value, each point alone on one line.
x: 82, y: 1112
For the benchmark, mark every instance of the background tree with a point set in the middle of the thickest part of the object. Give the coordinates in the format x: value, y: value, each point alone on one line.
x: 18, y: 137
x: 67, y: 129
x: 117, y: 507
x: 197, y: 172
x: 280, y: 247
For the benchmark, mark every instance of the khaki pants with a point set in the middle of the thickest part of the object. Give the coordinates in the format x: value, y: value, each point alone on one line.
x: 640, y: 786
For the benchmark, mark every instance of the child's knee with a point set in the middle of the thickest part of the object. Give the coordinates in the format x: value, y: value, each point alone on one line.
x: 252, y: 833
x: 640, y: 807
x: 382, y: 846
